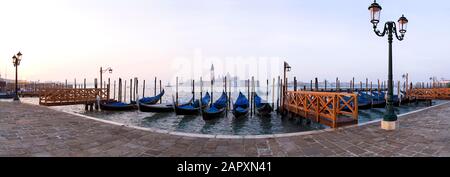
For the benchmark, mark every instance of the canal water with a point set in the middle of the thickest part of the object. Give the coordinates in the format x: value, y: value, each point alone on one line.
x: 227, y: 125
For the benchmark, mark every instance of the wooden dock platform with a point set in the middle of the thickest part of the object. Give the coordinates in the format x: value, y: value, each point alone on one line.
x: 429, y: 93
x: 328, y: 108
x: 64, y: 96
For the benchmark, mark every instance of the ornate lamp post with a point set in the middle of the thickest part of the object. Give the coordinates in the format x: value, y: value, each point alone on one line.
x: 390, y: 28
x: 16, y: 61
x: 286, y: 68
x: 109, y: 69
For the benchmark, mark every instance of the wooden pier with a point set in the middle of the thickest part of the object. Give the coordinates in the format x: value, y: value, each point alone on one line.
x: 429, y: 93
x: 69, y: 96
x: 328, y: 108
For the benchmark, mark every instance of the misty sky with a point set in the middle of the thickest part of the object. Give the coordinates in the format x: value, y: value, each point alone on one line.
x: 145, y: 38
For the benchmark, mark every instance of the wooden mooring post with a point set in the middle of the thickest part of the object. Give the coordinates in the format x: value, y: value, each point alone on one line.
x: 379, y: 88
x: 360, y: 86
x: 273, y: 93
x: 201, y: 89
x: 278, y: 93
x: 295, y: 83
x: 249, y: 96
x: 176, y: 91
x: 125, y: 91
x: 131, y: 90
x: 229, y: 95
x: 96, y: 86
x: 160, y: 90
x: 337, y: 84
x: 316, y: 84
x: 109, y: 88
x: 155, y: 86
x: 225, y: 89
x: 119, y: 92
x: 353, y: 84
x: 267, y: 90
x: 253, y: 95
x: 143, y: 89
x: 193, y: 90
x: 212, y: 89
x: 367, y: 84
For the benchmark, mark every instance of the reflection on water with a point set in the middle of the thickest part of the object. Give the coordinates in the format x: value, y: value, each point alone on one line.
x: 227, y: 125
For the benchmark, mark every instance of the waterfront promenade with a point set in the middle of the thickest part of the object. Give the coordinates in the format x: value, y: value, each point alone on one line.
x: 29, y: 130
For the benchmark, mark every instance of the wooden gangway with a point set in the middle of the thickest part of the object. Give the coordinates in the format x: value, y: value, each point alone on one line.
x: 328, y: 108
x: 429, y: 93
x: 70, y: 96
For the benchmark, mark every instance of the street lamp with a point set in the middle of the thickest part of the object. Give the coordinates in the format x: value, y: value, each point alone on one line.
x: 287, y: 68
x: 109, y: 69
x: 16, y: 61
x: 390, y: 28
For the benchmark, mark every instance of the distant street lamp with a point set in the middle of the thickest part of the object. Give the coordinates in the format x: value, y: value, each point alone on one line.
x: 389, y: 118
x: 287, y: 68
x: 109, y: 69
x: 16, y: 61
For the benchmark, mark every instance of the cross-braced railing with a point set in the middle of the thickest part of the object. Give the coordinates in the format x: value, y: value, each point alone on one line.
x: 429, y: 93
x: 63, y: 96
x: 322, y: 105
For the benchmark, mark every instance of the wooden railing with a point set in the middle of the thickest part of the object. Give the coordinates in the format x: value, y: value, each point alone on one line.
x: 57, y: 97
x: 323, y: 107
x: 429, y: 93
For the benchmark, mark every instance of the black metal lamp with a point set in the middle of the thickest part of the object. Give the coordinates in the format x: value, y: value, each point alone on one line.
x: 389, y: 28
x: 375, y: 11
x: 403, y: 24
x: 16, y: 62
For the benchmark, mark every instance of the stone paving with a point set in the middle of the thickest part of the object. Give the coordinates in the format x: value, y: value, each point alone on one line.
x: 28, y: 130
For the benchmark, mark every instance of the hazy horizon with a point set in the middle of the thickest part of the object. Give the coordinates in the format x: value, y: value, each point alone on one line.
x: 67, y: 39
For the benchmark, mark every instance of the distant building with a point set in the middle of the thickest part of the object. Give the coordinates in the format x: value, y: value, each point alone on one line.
x: 445, y: 82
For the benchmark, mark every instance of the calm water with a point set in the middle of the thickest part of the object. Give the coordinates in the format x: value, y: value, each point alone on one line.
x: 227, y: 125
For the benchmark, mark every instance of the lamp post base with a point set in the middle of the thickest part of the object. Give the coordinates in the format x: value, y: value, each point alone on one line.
x: 389, y: 125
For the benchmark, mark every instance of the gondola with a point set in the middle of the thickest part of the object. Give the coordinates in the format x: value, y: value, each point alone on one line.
x: 241, y: 106
x: 152, y: 100
x: 378, y: 100
x: 155, y: 107
x: 405, y: 99
x: 364, y: 101
x: 117, y: 106
x: 262, y: 107
x: 217, y: 109
x: 396, y: 100
x: 6, y: 96
x: 193, y: 107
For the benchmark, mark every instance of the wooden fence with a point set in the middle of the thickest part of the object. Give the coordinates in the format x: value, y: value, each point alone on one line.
x: 429, y: 93
x: 63, y: 96
x: 329, y: 108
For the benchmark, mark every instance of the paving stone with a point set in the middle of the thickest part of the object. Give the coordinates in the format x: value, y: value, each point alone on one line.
x: 27, y: 130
